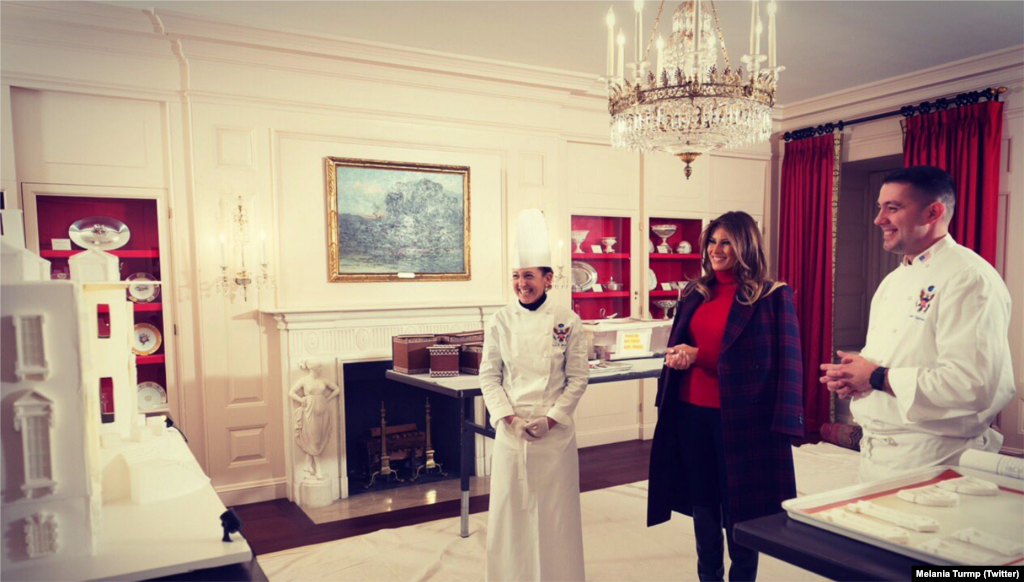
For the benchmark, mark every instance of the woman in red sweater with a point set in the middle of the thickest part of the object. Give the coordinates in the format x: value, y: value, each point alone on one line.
x: 728, y: 399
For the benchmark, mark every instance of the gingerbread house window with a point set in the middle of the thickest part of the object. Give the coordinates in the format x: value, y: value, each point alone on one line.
x: 31, y: 346
x: 33, y: 418
x: 41, y: 535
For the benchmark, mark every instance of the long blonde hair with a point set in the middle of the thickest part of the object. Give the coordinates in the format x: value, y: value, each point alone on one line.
x: 751, y: 267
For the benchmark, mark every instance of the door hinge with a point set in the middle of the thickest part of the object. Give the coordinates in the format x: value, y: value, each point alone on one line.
x: 175, y: 329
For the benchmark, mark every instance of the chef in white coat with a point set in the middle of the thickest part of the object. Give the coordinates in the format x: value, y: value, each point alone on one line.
x: 533, y: 373
x: 936, y: 368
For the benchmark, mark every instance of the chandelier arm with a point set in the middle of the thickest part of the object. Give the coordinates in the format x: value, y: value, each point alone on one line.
x: 721, y: 38
x: 654, y: 31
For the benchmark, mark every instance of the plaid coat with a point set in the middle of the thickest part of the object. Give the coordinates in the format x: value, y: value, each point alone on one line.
x: 760, y: 376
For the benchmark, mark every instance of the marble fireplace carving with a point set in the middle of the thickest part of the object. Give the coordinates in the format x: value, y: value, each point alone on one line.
x: 335, y: 338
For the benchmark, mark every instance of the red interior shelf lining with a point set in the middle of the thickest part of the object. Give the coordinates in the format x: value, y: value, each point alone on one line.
x: 151, y: 254
x: 665, y: 256
x: 146, y: 360
x: 603, y: 294
x: 600, y: 256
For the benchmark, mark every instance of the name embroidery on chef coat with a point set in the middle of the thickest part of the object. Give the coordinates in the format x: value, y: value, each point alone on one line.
x: 925, y: 301
x: 560, y: 335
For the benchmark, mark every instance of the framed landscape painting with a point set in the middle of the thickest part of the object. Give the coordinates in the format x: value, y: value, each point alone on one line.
x: 397, y: 221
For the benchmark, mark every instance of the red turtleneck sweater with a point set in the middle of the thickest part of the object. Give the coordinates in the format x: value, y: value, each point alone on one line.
x: 699, y: 385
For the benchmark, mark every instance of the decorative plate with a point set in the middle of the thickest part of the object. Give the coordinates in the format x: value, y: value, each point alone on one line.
x: 583, y: 276
x: 147, y: 339
x: 652, y: 280
x: 99, y: 232
x: 140, y: 291
x: 151, y: 396
x: 684, y: 248
x: 650, y: 247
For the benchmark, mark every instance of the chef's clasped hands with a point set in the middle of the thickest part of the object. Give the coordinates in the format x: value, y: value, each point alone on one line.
x: 531, y: 431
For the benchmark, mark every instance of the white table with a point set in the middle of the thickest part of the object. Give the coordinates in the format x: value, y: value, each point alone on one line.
x: 152, y: 540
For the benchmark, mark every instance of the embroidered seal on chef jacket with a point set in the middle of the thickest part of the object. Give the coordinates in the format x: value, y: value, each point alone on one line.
x: 926, y: 299
x: 560, y: 335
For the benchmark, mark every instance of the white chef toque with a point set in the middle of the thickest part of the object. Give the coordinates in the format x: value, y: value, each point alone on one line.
x: 532, y: 248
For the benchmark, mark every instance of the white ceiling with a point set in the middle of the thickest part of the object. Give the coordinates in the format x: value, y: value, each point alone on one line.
x: 826, y: 46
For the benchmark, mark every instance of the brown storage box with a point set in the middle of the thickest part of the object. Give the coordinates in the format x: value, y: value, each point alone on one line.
x: 461, y: 338
x: 444, y: 361
x: 469, y: 358
x: 410, y: 354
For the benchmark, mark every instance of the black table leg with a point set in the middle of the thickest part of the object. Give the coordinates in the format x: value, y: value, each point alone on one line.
x: 467, y: 436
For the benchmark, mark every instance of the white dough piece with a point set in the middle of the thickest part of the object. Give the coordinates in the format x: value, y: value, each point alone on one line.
x: 930, y: 496
x: 970, y: 486
x: 954, y: 552
x: 865, y: 525
x: 902, y: 519
x: 989, y: 542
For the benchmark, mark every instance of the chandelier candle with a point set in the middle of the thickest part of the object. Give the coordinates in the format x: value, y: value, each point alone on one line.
x: 753, y: 27
x: 771, y: 33
x: 661, y: 56
x: 621, y: 41
x: 638, y: 5
x: 697, y: 26
x: 610, y: 65
x: 759, y: 28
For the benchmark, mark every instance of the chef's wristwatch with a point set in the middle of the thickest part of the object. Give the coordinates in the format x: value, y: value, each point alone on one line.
x: 877, y: 380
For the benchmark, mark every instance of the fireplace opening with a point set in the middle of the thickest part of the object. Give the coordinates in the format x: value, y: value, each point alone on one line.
x: 404, y: 458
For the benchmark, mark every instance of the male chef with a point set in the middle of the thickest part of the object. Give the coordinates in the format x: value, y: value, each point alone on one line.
x: 936, y: 368
x: 532, y: 375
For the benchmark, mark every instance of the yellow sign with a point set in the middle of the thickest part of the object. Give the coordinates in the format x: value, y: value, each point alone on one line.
x: 634, y: 343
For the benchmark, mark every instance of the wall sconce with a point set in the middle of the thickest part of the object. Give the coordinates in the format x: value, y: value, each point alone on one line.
x: 560, y: 281
x: 242, y: 278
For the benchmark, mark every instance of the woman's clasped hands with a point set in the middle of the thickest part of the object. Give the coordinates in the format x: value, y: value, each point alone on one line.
x: 680, y: 357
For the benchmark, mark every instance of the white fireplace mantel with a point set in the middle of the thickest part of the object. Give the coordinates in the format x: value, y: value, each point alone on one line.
x: 347, y: 335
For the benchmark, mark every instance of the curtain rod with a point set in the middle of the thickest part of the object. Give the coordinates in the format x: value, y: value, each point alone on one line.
x: 990, y: 94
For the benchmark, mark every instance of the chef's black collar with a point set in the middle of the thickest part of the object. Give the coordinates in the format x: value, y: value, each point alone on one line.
x: 536, y: 304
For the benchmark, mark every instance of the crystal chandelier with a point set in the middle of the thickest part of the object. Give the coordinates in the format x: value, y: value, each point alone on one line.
x: 686, y: 105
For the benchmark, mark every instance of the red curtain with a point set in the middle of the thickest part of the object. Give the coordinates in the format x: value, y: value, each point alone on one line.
x: 964, y: 141
x: 805, y: 260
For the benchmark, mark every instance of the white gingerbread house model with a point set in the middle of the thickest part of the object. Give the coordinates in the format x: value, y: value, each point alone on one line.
x: 72, y: 438
x: 51, y: 463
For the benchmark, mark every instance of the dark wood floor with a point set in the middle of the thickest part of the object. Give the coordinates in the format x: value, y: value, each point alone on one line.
x: 272, y: 526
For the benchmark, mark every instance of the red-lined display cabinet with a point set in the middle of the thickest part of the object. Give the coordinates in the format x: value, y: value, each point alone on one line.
x: 673, y: 257
x: 601, y: 266
x: 50, y: 210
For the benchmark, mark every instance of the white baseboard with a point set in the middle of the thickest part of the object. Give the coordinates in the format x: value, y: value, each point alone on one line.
x: 647, y: 431
x: 606, y: 436
x: 253, y: 492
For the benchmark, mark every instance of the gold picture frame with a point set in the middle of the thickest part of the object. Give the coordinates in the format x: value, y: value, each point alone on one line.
x: 397, y: 221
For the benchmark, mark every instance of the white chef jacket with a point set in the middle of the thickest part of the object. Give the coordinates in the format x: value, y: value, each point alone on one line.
x: 534, y: 365
x: 940, y: 323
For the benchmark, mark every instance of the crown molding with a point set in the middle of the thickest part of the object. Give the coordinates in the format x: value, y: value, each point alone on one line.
x: 187, y: 27
x: 884, y: 95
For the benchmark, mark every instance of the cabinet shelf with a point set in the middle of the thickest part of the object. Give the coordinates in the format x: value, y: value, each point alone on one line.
x: 598, y: 256
x: 660, y: 293
x: 601, y: 295
x: 673, y: 257
x: 149, y: 360
x: 152, y: 254
x: 138, y: 307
